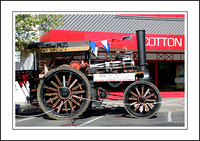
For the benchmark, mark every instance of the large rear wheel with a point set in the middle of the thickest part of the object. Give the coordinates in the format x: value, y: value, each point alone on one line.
x: 142, y: 99
x: 64, y: 90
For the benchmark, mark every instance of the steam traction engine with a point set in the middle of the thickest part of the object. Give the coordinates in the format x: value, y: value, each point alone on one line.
x: 72, y: 85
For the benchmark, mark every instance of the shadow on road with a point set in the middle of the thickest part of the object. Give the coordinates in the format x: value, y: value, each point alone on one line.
x: 117, y: 111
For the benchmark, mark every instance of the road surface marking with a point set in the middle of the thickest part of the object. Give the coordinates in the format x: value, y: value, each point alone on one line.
x: 91, y: 121
x: 25, y: 119
x: 169, y: 117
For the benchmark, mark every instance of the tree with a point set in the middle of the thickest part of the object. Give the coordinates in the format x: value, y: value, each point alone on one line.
x: 27, y: 27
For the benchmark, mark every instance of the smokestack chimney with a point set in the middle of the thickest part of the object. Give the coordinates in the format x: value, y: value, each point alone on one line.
x: 141, y: 49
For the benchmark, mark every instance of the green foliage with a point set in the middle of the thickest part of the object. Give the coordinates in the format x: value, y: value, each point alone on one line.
x: 27, y: 27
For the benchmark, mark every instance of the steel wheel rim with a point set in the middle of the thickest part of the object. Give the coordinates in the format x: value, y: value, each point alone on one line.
x: 142, y: 100
x: 75, y: 101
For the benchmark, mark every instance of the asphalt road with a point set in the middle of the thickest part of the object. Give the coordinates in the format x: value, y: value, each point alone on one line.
x: 171, y: 114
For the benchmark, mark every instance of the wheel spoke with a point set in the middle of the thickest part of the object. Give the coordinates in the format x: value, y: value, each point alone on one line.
x: 146, y: 108
x: 58, y: 80
x: 51, y: 94
x: 54, y: 84
x: 73, y: 100
x: 134, y: 94
x: 142, y: 90
x: 133, y: 103
x: 81, y: 98
x: 150, y: 95
x: 56, y: 103
x: 141, y: 109
x: 138, y: 91
x: 136, y: 106
x: 51, y: 99
x: 69, y: 79
x: 131, y: 98
x: 65, y: 105
x: 64, y: 81
x: 60, y: 106
x: 50, y: 88
x: 73, y: 83
x: 150, y: 100
x: 78, y: 97
x: 146, y: 92
x: 76, y: 87
x: 150, y: 105
x: 78, y: 92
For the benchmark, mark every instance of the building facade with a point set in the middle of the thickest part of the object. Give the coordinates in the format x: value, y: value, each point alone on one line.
x: 165, y: 42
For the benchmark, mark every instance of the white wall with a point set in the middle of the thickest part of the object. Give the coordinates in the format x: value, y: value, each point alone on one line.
x: 19, y: 95
x: 27, y: 63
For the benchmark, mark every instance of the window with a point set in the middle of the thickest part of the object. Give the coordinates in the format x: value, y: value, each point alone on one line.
x: 170, y: 76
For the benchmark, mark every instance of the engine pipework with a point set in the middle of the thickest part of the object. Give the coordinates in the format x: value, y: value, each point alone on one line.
x: 124, y: 62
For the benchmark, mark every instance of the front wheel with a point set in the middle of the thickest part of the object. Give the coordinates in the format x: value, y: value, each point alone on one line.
x: 142, y: 99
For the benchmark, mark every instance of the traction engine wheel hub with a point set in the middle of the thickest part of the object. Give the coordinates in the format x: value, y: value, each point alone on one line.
x: 64, y: 92
x: 141, y: 99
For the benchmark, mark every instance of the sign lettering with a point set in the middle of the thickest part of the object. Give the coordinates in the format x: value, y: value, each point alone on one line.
x: 154, y: 42
x: 114, y: 77
x: 161, y: 41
